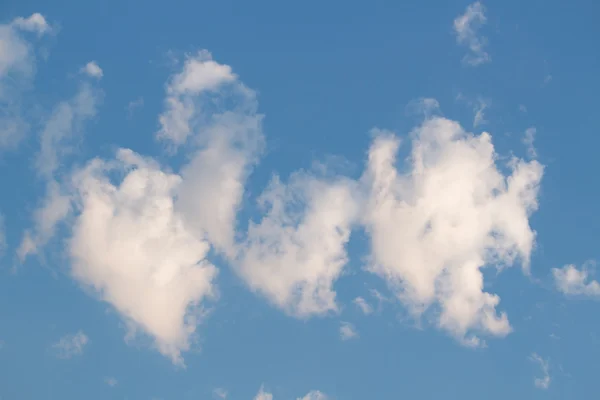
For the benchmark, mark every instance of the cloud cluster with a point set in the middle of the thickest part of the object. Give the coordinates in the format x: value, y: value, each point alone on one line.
x: 466, y: 28
x: 142, y: 235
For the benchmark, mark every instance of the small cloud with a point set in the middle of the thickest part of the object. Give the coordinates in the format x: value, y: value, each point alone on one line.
x: 111, y: 381
x: 134, y: 105
x: 263, y: 395
x: 424, y: 105
x: 479, y: 109
x: 544, y: 381
x: 528, y: 141
x: 220, y: 393
x: 576, y: 282
x: 93, y: 70
x: 363, y: 305
x: 70, y: 345
x: 466, y: 27
x: 522, y: 108
x: 347, y: 331
x: 2, y: 236
x: 35, y: 23
x: 554, y: 336
x: 314, y: 395
x: 547, y: 79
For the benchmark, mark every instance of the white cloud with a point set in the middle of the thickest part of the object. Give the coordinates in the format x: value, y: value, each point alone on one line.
x: 62, y: 130
x: 140, y: 235
x: 54, y: 208
x: 134, y: 105
x: 479, y: 109
x: 111, y: 381
x: 263, y: 395
x: 93, y: 70
x: 362, y: 304
x: 133, y: 248
x: 61, y: 134
x: 220, y: 393
x: 312, y: 395
x: 200, y: 74
x: 435, y: 226
x: 544, y: 381
x: 348, y: 331
x: 572, y: 281
x: 70, y: 345
x: 228, y: 138
x: 425, y: 105
x: 297, y: 251
x: 17, y: 67
x: 34, y: 23
x: 466, y: 27
x: 528, y: 140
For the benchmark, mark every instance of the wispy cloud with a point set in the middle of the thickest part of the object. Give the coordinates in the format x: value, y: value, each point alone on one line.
x: 348, y: 331
x: 17, y: 68
x: 134, y: 105
x: 466, y: 28
x: 362, y: 304
x: 528, y: 141
x: 542, y: 382
x: 70, y: 345
x: 111, y: 381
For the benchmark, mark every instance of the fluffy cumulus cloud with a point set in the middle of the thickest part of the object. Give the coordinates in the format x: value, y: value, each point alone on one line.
x: 70, y: 345
x: 227, y: 139
x: 93, y: 70
x: 466, y: 28
x: 140, y: 234
x: 34, y: 23
x: 576, y: 282
x: 296, y: 252
x: 134, y: 249
x: 436, y: 225
x: 201, y: 75
x: 17, y: 67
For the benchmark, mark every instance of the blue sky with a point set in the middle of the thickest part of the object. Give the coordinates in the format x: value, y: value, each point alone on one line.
x: 298, y: 200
